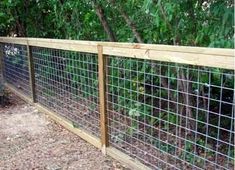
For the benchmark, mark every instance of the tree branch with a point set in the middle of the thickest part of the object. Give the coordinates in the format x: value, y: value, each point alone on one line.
x: 100, y: 13
x: 130, y: 23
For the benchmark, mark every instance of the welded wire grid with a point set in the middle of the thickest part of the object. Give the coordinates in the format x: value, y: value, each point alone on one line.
x: 171, y: 116
x: 67, y: 83
x: 15, y: 67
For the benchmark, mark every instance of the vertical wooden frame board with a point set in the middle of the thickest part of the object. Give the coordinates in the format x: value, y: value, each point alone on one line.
x: 31, y: 73
x: 1, y: 60
x: 102, y: 98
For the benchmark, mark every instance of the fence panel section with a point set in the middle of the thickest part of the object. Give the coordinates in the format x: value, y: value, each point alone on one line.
x: 15, y: 67
x: 171, y: 116
x: 67, y: 83
x: 164, y: 114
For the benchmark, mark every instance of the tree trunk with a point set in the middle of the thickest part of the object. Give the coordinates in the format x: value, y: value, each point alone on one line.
x: 100, y: 13
x: 130, y: 23
x: 20, y: 29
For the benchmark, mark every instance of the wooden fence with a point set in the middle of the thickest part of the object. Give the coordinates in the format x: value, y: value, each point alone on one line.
x: 190, y: 56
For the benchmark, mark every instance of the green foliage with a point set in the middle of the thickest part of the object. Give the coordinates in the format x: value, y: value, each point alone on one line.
x: 164, y: 146
x: 201, y: 23
x: 190, y: 154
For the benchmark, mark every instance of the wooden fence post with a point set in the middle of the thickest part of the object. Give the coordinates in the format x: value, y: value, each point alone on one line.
x: 31, y: 73
x: 102, y: 98
x: 1, y: 62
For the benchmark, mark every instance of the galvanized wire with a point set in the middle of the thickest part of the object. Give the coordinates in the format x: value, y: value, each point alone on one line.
x: 67, y: 83
x: 171, y: 116
x: 15, y: 67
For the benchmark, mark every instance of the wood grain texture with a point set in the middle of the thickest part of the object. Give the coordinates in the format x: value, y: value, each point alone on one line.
x: 201, y: 56
x: 102, y: 97
x: 31, y: 73
x: 1, y: 61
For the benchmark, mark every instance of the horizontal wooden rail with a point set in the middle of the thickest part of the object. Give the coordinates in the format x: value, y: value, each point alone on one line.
x: 211, y: 57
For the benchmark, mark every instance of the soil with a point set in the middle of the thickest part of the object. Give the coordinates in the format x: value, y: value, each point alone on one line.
x: 31, y: 140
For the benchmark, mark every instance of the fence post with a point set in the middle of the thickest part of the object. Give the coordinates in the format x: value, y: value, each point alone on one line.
x: 1, y: 62
x: 31, y: 73
x: 102, y: 98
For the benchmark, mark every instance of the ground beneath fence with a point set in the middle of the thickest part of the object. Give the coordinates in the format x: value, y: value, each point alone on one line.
x: 30, y: 140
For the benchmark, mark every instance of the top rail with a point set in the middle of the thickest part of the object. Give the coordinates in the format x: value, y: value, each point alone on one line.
x: 201, y: 56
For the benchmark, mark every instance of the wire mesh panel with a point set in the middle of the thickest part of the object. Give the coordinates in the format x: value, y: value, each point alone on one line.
x: 15, y: 67
x: 171, y: 116
x: 67, y: 83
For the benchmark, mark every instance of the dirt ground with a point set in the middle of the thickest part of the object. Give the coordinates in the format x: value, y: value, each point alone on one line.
x: 30, y: 140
